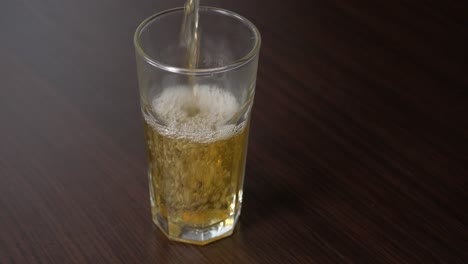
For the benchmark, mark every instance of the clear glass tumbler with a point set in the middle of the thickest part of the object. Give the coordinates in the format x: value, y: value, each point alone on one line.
x: 196, y: 120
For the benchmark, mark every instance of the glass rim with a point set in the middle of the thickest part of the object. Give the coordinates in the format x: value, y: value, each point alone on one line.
x: 204, y: 71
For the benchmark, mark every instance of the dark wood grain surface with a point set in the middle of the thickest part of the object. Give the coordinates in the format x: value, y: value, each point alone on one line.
x: 358, y: 147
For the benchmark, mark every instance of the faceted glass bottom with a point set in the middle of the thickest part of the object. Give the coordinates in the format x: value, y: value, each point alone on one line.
x: 194, y: 235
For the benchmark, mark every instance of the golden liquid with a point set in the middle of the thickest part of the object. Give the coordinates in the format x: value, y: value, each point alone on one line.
x: 196, y: 178
x: 195, y: 183
x: 190, y: 40
x: 190, y: 34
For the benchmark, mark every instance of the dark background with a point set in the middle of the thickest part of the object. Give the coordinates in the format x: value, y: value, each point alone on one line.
x: 358, y: 146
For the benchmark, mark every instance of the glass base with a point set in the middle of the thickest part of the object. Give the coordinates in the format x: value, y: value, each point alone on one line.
x: 195, y: 235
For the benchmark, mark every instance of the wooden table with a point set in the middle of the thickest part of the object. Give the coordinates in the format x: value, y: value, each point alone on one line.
x: 358, y: 147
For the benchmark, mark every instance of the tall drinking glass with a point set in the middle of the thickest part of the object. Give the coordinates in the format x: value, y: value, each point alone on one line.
x: 196, y: 120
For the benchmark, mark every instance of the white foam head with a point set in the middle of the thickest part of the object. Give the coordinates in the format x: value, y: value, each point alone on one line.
x: 215, y: 107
